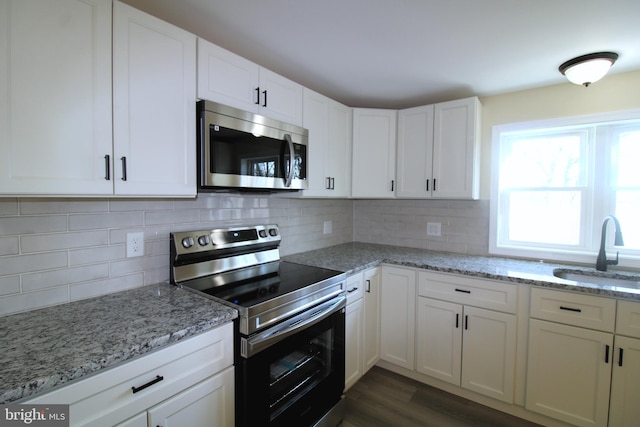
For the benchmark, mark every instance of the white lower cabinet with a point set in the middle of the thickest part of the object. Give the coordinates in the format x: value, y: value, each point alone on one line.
x: 464, y: 345
x: 362, y: 329
x: 397, y: 316
x: 190, y: 383
x: 571, y: 357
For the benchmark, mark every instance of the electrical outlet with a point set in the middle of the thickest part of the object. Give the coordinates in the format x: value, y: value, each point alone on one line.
x: 328, y: 227
x: 135, y: 244
x: 434, y: 229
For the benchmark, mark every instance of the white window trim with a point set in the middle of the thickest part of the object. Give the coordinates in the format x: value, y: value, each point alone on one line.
x: 565, y: 256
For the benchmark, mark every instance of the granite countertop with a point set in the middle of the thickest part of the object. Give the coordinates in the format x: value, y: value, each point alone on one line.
x: 354, y: 257
x: 45, y: 348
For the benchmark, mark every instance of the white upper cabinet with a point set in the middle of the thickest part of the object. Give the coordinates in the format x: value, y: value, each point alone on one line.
x: 229, y: 79
x: 64, y: 130
x: 415, y: 152
x: 439, y: 150
x: 456, y: 149
x: 154, y: 97
x: 55, y: 97
x: 374, y: 153
x: 329, y: 125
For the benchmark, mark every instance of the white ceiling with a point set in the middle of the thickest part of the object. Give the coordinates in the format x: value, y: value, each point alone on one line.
x: 403, y: 53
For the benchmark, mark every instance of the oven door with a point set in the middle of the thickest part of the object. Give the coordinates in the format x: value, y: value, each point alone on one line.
x: 299, y: 377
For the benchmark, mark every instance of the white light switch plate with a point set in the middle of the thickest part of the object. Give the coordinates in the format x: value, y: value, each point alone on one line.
x: 434, y: 229
x: 328, y: 227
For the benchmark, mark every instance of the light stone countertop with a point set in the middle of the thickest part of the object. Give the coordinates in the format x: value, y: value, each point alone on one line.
x: 49, y: 347
x: 46, y: 348
x: 353, y: 257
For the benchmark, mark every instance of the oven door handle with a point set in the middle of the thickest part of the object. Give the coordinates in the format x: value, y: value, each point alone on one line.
x: 289, y: 177
x: 254, y: 345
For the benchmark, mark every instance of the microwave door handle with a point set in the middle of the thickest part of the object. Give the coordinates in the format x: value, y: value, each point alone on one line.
x: 289, y: 177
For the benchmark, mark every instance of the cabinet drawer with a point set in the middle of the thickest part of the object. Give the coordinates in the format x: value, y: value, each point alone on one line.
x: 585, y: 311
x: 490, y: 294
x: 355, y: 287
x: 107, y: 398
x: 628, y: 322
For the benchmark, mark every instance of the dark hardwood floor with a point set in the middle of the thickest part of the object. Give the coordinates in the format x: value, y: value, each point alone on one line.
x: 383, y: 398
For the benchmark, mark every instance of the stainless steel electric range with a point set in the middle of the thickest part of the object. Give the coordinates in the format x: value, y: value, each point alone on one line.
x: 289, y: 344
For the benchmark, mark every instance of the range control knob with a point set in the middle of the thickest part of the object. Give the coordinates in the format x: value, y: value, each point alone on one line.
x: 204, y: 240
x: 187, y: 242
x: 262, y: 233
x: 273, y: 232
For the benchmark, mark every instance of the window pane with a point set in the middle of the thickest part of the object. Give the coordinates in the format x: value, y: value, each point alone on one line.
x: 627, y: 209
x: 551, y: 217
x: 625, y: 163
x: 542, y: 161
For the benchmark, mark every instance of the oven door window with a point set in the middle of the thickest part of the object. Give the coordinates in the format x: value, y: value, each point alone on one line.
x: 298, y: 379
x: 241, y: 153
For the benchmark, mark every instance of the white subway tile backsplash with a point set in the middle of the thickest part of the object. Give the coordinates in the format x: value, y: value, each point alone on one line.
x: 9, y: 285
x: 105, y: 220
x: 9, y: 245
x: 54, y: 251
x: 72, y: 240
x: 55, y: 278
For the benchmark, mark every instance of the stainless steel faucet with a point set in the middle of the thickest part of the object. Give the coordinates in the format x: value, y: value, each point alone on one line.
x: 602, y: 262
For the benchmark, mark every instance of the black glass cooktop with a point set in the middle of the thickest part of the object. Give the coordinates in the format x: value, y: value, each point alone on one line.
x: 252, y: 286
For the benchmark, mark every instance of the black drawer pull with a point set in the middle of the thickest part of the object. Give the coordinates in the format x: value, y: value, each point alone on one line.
x: 575, y: 310
x: 368, y: 285
x: 464, y: 291
x: 149, y: 384
x: 352, y: 290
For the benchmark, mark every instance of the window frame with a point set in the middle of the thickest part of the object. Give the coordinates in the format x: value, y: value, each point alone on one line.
x: 597, y: 180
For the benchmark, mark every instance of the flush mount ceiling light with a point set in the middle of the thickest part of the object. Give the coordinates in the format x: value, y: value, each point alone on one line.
x: 587, y: 69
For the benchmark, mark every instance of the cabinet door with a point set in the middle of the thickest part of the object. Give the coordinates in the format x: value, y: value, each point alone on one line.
x: 456, y: 149
x: 397, y: 316
x: 280, y: 98
x: 625, y: 384
x: 415, y: 152
x: 338, y: 155
x: 489, y: 353
x: 374, y: 153
x: 208, y: 403
x: 55, y: 97
x: 227, y: 78
x: 354, y: 328
x: 371, y: 350
x: 316, y: 120
x: 439, y: 339
x: 568, y: 373
x: 154, y: 106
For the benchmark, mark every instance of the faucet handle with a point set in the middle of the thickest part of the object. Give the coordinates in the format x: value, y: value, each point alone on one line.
x: 614, y: 261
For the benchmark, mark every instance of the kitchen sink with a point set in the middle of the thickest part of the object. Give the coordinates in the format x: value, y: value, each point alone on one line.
x: 599, y: 278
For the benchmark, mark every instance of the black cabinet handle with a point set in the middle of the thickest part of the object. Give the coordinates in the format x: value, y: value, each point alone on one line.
x: 464, y: 291
x: 392, y: 184
x: 606, y: 353
x: 457, y: 320
x: 575, y: 310
x: 124, y: 168
x: 466, y: 322
x: 333, y: 183
x: 264, y: 92
x: 434, y: 184
x: 427, y: 185
x: 368, y: 289
x: 257, y: 95
x: 107, y: 167
x: 149, y: 384
x: 620, y: 357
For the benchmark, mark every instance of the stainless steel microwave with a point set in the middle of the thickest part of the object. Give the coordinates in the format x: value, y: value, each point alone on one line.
x: 241, y: 150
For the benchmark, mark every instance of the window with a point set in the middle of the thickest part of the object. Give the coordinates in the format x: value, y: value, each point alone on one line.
x: 554, y: 182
